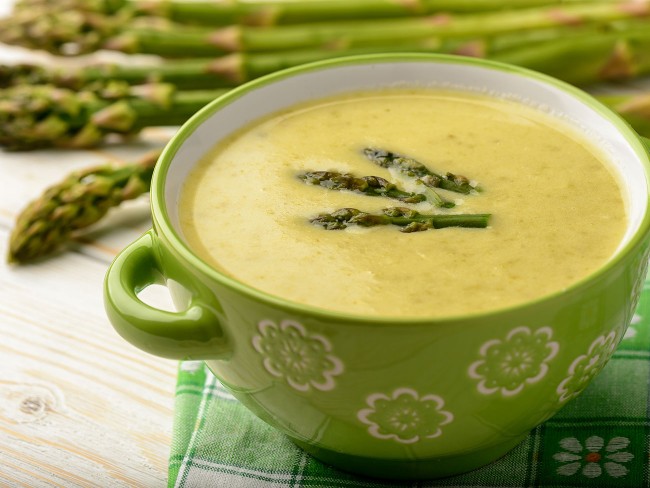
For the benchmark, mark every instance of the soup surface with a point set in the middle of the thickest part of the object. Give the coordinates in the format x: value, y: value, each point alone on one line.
x: 557, y: 211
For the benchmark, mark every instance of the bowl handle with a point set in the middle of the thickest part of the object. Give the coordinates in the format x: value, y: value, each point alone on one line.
x: 194, y: 333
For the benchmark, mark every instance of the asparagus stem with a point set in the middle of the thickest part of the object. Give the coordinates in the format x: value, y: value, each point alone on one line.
x: 182, y: 73
x: 409, y: 220
x: 635, y: 108
x: 41, y: 116
x: 78, y: 201
x: 433, y: 197
x: 373, y: 186
x: 274, y: 12
x: 195, y: 73
x: 584, y: 55
x: 283, y: 12
x: 586, y: 59
x: 182, y: 105
x: 492, y: 45
x: 60, y: 31
x: 646, y: 142
x: 414, y: 169
x: 364, y: 33
x: 88, y: 31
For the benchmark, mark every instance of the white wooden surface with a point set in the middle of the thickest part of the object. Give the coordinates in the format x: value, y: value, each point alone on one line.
x: 79, y: 406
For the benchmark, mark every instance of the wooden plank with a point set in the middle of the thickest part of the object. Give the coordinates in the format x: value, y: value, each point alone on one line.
x: 79, y: 406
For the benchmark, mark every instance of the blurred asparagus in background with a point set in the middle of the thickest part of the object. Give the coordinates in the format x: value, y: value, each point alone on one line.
x: 43, y: 116
x: 187, y: 74
x: 78, y: 31
x: 635, y: 108
x: 585, y: 60
x: 273, y: 12
x: 588, y: 55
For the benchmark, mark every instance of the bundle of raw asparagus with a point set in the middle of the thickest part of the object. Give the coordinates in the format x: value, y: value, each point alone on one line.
x: 223, y: 44
x: 208, y: 47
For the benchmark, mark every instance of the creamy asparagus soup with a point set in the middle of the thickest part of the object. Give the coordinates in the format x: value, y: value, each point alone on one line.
x: 478, y: 204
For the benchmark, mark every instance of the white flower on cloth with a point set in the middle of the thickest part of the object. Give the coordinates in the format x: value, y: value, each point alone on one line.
x: 506, y: 365
x: 301, y: 358
x: 590, y: 459
x: 192, y: 366
x: 404, y: 416
x: 631, y: 330
x: 586, y: 366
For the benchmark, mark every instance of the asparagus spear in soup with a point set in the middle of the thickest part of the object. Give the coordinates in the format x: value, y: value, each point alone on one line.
x: 373, y: 186
x: 409, y: 220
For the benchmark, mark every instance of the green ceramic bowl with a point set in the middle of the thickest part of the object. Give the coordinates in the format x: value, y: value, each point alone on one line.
x: 384, y: 397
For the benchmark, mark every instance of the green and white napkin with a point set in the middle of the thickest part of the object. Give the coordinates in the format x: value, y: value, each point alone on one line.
x: 600, y: 439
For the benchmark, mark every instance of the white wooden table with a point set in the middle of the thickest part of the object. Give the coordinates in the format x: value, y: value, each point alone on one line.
x: 79, y: 406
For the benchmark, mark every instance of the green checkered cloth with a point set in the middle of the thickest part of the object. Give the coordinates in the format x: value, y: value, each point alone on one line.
x: 600, y: 439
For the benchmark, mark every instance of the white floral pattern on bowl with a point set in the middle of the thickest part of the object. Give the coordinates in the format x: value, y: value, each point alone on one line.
x: 301, y: 358
x: 591, y: 457
x: 507, y: 365
x: 631, y: 331
x: 404, y: 416
x: 586, y: 366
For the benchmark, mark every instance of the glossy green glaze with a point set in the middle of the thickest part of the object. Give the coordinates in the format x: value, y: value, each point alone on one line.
x: 426, y: 398
x: 646, y: 142
x: 177, y: 335
x: 436, y: 467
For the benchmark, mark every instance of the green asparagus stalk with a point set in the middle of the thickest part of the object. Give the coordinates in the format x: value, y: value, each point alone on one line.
x: 63, y: 32
x: 77, y: 202
x: 196, y: 73
x: 183, y: 74
x: 579, y: 54
x: 40, y: 116
x: 635, y: 108
x: 87, y: 32
x: 414, y: 169
x: 489, y: 46
x: 373, y: 186
x: 586, y: 59
x: 274, y: 12
x: 233, y: 69
x: 409, y: 220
